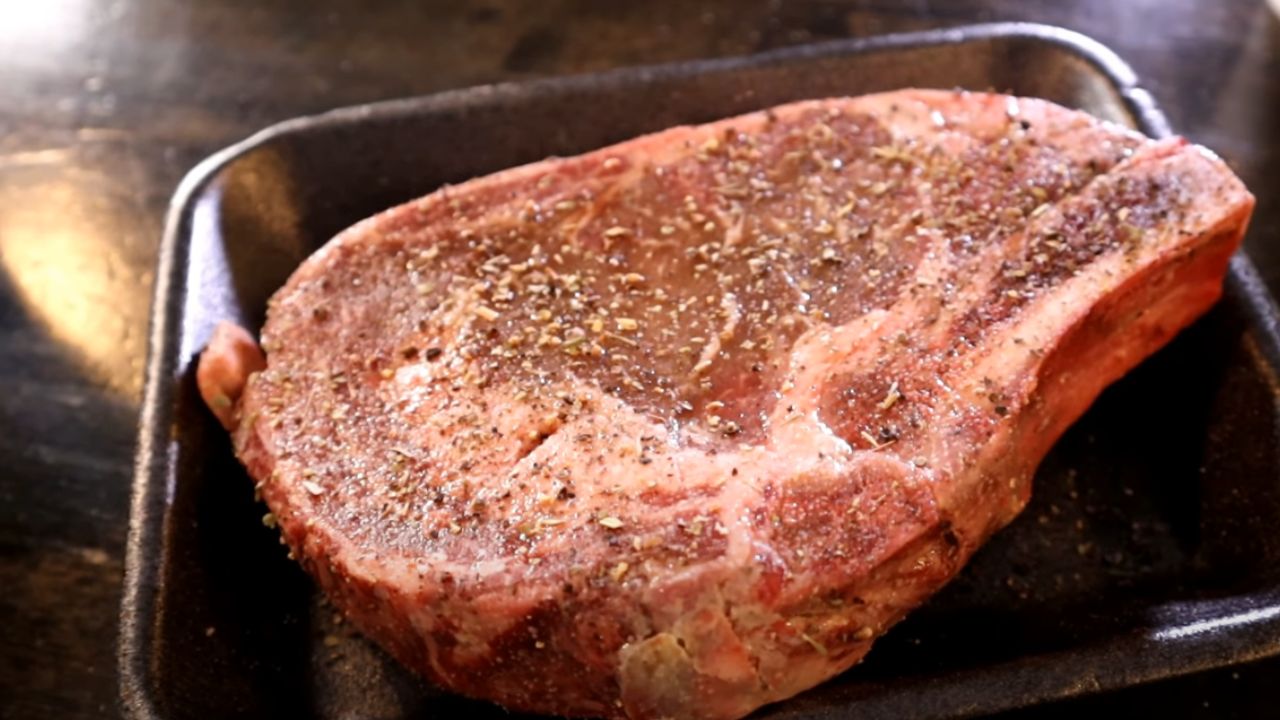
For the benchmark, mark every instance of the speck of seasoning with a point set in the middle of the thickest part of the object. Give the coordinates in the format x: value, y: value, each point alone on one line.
x: 269, y: 520
x: 619, y: 571
x: 886, y: 152
x: 871, y: 440
x: 822, y: 649
x: 864, y: 633
x: 919, y: 461
x: 891, y: 398
x: 610, y: 522
x: 313, y: 488
x: 627, y: 324
x: 616, y: 231
x: 486, y: 312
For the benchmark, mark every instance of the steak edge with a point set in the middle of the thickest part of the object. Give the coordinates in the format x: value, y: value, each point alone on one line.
x: 678, y: 427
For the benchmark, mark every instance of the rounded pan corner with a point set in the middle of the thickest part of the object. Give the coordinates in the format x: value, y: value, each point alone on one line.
x: 1246, y: 283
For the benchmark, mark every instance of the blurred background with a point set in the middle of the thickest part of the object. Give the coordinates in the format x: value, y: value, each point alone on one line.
x: 105, y: 104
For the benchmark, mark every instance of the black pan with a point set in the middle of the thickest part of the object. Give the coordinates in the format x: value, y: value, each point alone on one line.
x: 1149, y: 549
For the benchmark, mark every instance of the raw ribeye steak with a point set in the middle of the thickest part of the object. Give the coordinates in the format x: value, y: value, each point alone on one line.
x: 677, y: 428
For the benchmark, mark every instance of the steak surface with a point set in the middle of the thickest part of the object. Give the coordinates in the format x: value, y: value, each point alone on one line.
x: 677, y: 428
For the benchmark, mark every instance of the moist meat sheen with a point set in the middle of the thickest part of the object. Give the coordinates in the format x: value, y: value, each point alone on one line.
x: 677, y: 428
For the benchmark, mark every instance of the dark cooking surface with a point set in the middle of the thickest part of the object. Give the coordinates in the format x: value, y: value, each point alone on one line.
x: 107, y: 104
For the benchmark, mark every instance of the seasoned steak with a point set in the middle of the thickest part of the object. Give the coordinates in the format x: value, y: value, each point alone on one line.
x: 677, y: 428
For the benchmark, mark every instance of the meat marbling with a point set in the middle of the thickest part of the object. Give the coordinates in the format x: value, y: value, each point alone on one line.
x: 678, y: 427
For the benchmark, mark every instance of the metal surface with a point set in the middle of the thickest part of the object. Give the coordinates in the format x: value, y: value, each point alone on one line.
x: 1146, y: 552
